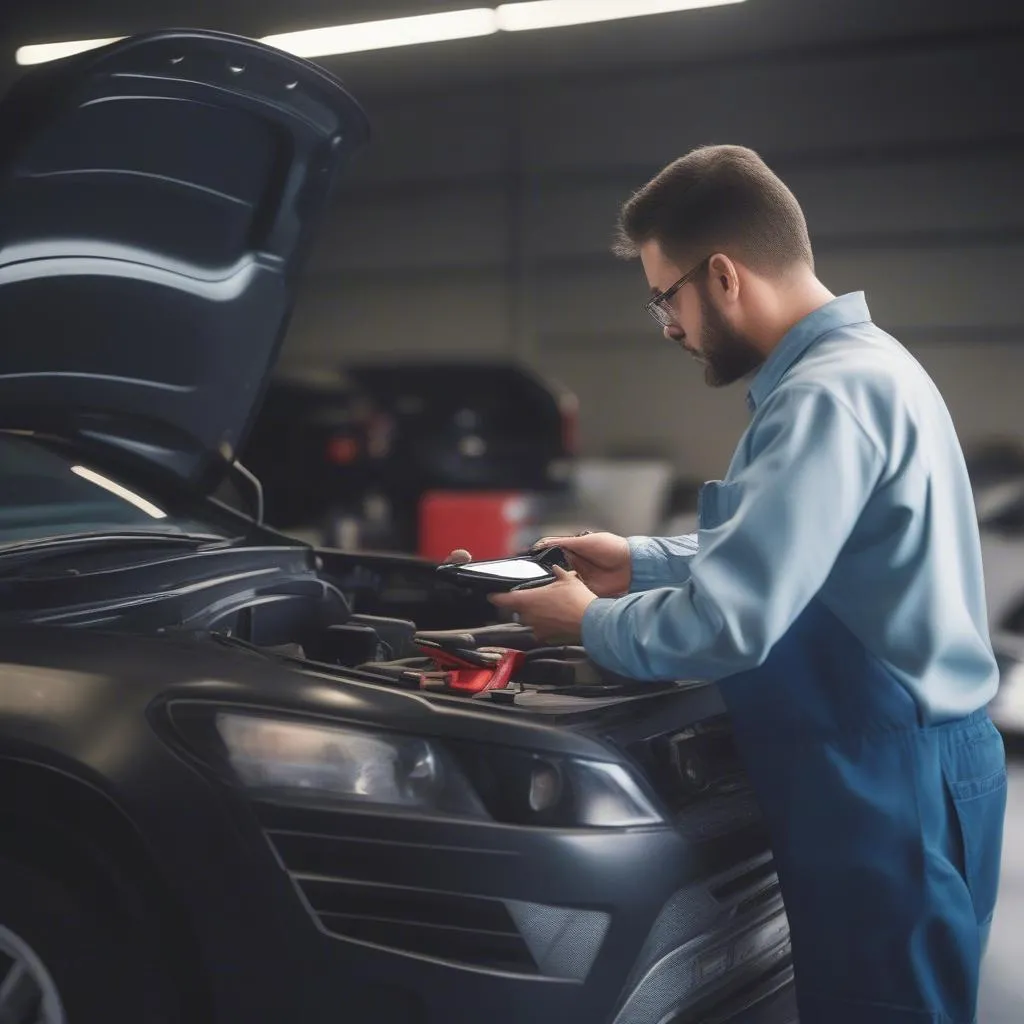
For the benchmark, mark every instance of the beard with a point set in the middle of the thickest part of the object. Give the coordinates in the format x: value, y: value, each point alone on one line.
x: 727, y: 355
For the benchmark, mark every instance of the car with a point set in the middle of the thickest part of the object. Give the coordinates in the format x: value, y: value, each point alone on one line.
x: 236, y: 782
x: 997, y: 478
x: 1001, y: 526
x: 996, y: 469
x: 1007, y: 707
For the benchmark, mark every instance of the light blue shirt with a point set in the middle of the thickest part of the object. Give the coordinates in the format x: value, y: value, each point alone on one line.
x: 849, y: 486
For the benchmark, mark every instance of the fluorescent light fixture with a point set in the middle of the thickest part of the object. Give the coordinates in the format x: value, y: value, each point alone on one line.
x: 122, y: 492
x: 379, y: 35
x: 40, y: 53
x: 535, y: 14
x: 422, y: 28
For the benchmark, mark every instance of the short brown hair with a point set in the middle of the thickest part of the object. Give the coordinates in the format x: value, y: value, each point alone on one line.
x: 717, y: 199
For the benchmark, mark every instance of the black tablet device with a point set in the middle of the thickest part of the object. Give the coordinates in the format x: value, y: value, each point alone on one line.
x: 520, y: 572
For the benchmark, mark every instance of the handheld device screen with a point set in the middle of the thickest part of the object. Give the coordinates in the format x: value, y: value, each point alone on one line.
x: 517, y: 569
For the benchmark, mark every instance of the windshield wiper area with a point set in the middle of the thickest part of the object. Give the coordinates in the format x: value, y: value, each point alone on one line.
x: 46, y: 548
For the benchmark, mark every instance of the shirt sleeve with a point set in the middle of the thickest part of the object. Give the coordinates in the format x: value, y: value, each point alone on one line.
x: 774, y: 532
x: 660, y: 561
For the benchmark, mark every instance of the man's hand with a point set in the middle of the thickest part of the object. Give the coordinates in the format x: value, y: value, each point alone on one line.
x: 602, y: 561
x: 554, y: 612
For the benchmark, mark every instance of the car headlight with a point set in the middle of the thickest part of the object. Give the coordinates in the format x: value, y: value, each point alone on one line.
x: 305, y: 761
x: 275, y: 755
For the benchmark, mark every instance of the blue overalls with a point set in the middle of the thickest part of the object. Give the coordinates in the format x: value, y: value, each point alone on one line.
x: 886, y: 830
x: 834, y: 590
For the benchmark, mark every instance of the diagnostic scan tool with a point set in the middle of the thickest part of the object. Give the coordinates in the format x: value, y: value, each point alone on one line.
x: 521, y: 572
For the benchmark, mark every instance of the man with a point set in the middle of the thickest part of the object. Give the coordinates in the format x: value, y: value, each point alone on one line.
x: 834, y: 591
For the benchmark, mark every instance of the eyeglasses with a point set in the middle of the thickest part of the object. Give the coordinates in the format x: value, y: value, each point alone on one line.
x: 661, y: 308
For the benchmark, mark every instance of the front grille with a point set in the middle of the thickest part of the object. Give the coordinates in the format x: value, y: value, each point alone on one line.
x: 711, y: 940
x: 711, y: 968
x: 358, y: 888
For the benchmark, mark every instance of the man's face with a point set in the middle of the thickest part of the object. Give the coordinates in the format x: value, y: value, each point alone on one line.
x: 700, y: 326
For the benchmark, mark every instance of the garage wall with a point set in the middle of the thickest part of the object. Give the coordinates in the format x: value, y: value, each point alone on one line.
x: 479, y: 223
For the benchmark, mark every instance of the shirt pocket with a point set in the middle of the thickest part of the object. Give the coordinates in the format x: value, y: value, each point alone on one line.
x: 975, y: 776
x: 716, y: 503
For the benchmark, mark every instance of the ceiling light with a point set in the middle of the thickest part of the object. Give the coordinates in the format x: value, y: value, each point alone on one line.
x: 40, y: 53
x: 557, y: 13
x: 422, y: 28
x: 379, y: 35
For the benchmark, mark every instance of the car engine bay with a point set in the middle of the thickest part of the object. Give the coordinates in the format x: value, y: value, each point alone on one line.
x: 383, y: 619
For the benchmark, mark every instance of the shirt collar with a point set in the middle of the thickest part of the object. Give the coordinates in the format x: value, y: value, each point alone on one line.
x: 843, y: 311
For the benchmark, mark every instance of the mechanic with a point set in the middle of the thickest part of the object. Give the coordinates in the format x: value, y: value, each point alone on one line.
x: 834, y: 590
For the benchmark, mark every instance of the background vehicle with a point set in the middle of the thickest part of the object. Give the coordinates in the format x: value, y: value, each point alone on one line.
x: 997, y: 478
x: 362, y: 447
x: 219, y: 800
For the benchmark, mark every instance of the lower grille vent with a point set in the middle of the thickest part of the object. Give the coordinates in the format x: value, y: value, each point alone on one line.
x: 347, y: 885
x: 756, y: 885
x: 459, y: 928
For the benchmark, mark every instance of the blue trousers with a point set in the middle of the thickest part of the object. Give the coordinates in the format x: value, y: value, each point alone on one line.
x: 887, y: 832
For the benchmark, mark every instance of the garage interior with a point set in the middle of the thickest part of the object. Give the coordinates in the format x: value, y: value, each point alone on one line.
x: 476, y: 228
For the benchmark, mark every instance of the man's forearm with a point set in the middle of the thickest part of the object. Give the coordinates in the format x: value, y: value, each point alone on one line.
x: 660, y: 561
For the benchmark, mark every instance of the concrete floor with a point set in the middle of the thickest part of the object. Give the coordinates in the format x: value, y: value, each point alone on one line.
x: 1002, y: 997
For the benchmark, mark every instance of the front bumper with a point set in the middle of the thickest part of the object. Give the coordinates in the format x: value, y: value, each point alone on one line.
x: 323, y: 912
x: 299, y: 913
x: 415, y: 921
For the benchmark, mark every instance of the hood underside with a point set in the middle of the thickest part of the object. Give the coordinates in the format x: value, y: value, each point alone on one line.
x: 156, y: 202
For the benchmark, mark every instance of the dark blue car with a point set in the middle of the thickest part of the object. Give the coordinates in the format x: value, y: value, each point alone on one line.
x: 221, y: 797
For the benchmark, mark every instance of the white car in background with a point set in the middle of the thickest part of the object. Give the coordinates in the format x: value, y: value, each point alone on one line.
x: 1001, y: 520
x: 1000, y: 505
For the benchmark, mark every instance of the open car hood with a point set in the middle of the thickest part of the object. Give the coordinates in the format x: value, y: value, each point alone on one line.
x: 156, y: 198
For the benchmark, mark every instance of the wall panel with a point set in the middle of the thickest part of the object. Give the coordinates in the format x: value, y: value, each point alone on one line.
x: 479, y: 222
x: 932, y: 198
x: 813, y: 106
